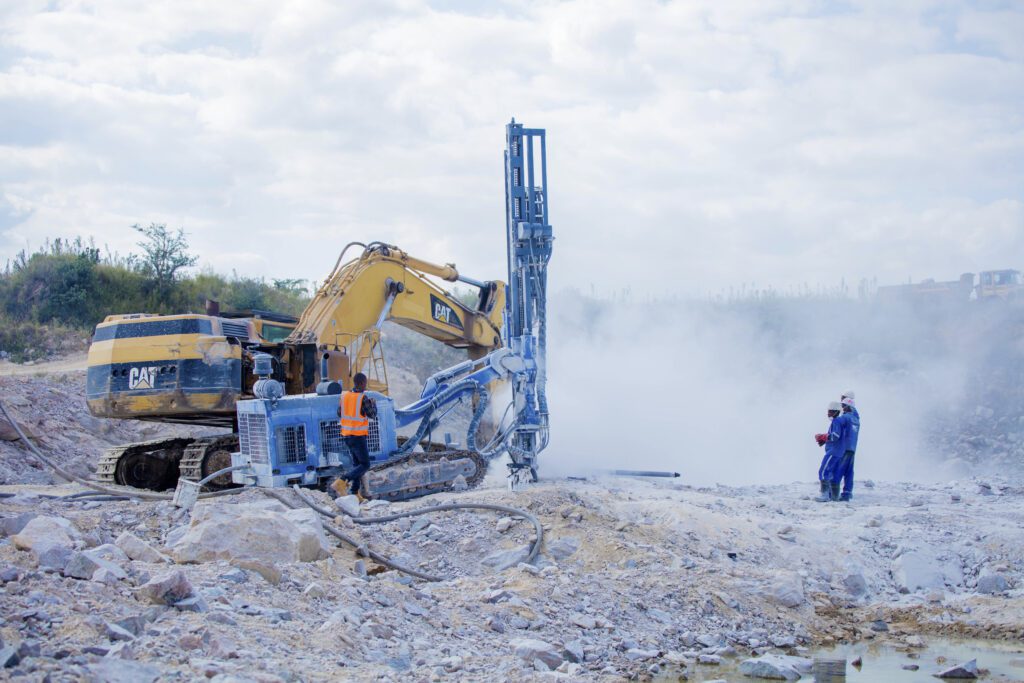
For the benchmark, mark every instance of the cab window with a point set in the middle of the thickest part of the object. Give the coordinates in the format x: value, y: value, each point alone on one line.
x: 275, y: 333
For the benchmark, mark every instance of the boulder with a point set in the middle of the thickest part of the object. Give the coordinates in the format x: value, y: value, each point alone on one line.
x: 916, y: 570
x: 788, y: 591
x: 776, y: 667
x: 314, y: 590
x: 503, y: 559
x: 966, y: 671
x: 259, y: 533
x: 84, y: 565
x: 12, y: 525
x: 348, y: 504
x: 137, y: 549
x: 991, y: 583
x: 855, y: 584
x: 584, y: 621
x: 562, y: 548
x: 532, y: 649
x: 167, y: 588
x: 114, y: 670
x: 51, y: 539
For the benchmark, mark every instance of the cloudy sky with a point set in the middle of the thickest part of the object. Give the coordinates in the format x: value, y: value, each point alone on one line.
x: 693, y: 145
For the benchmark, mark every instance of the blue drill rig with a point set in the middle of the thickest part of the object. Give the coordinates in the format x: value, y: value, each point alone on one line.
x: 286, y: 440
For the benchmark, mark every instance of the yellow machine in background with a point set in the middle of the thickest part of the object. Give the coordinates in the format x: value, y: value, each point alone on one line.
x: 192, y: 368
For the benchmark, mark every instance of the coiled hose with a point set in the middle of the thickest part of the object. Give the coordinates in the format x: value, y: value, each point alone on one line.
x: 516, y: 512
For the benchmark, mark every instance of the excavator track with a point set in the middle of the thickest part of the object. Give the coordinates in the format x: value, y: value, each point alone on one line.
x: 206, y: 455
x: 421, y: 474
x: 145, y: 465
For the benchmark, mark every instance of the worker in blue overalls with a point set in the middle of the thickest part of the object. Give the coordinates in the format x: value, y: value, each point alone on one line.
x: 844, y: 467
x: 833, y: 441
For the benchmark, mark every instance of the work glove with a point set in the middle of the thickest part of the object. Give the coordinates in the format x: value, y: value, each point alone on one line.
x: 821, y: 439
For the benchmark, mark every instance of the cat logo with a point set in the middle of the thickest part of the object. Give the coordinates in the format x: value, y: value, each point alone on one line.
x: 142, y: 378
x: 443, y: 313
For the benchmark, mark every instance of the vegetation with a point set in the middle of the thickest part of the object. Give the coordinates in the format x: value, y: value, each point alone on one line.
x: 64, y: 288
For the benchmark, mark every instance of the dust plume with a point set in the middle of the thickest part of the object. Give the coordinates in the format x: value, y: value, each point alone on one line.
x: 732, y: 392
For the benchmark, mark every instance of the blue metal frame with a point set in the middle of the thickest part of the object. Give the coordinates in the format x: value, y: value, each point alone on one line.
x: 529, y: 239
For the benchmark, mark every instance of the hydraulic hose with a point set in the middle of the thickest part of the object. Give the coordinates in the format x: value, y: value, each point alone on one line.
x: 428, y: 409
x: 68, y: 476
x: 516, y: 512
x: 233, y: 468
x: 360, y: 548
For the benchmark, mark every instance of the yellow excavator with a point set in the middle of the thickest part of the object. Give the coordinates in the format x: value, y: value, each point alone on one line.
x: 193, y: 368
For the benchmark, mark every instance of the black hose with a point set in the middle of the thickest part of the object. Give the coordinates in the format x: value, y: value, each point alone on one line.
x: 361, y: 548
x: 534, y: 549
x: 68, y: 476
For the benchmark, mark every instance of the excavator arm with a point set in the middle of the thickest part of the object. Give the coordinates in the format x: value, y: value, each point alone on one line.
x: 344, y: 319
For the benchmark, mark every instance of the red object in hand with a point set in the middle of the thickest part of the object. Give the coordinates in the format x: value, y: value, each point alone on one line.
x: 821, y: 439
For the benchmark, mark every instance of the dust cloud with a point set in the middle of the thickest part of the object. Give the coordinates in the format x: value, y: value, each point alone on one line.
x: 732, y: 392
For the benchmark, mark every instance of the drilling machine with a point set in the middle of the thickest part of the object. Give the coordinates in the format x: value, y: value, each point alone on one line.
x: 295, y: 439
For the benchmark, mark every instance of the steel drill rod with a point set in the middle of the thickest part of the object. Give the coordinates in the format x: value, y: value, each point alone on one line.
x: 642, y: 473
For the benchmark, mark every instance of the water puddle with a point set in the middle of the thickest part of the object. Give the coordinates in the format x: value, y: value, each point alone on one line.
x: 1004, y: 662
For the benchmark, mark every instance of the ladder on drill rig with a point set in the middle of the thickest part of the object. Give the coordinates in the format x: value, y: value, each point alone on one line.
x: 529, y: 242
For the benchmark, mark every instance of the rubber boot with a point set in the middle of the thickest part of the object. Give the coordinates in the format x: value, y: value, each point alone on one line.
x: 826, y: 493
x: 845, y: 497
x: 834, y: 491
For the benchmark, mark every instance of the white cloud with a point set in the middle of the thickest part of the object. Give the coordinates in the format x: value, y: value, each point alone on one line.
x: 693, y: 146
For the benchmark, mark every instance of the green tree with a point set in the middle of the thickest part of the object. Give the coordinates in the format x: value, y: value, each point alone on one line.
x: 166, y: 252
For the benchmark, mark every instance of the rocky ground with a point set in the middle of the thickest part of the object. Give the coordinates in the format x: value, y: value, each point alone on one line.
x: 636, y: 579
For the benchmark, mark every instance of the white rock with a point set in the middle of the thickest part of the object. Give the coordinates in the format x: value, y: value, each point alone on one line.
x: 503, y: 559
x: 532, y: 649
x: 137, y: 549
x: 84, y: 565
x: 583, y: 620
x: 167, y: 588
x: 967, y: 670
x: 51, y: 539
x: 314, y: 590
x: 775, y: 667
x: 348, y: 504
x: 637, y: 654
x: 917, y: 570
x: 788, y: 591
x: 855, y: 584
x: 991, y: 583
x: 251, y: 533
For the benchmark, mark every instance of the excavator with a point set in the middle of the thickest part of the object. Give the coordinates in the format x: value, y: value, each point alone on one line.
x: 285, y: 395
x: 194, y: 368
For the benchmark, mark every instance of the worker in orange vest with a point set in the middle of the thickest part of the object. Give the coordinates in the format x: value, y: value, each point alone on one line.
x: 356, y: 409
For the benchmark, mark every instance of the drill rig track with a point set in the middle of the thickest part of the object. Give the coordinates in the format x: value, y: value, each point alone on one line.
x: 421, y: 474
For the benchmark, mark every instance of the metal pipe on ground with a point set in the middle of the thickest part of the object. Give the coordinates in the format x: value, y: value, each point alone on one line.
x: 642, y: 473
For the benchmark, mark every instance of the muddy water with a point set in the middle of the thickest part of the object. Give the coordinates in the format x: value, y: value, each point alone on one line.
x: 884, y: 664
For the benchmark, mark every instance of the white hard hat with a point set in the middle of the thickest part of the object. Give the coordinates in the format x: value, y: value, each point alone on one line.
x: 834, y: 405
x: 848, y: 401
x: 848, y: 394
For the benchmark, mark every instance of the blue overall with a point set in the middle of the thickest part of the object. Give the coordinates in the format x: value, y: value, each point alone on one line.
x: 833, y: 450
x: 843, y: 469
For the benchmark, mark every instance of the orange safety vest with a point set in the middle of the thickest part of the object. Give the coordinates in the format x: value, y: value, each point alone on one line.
x: 352, y: 421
